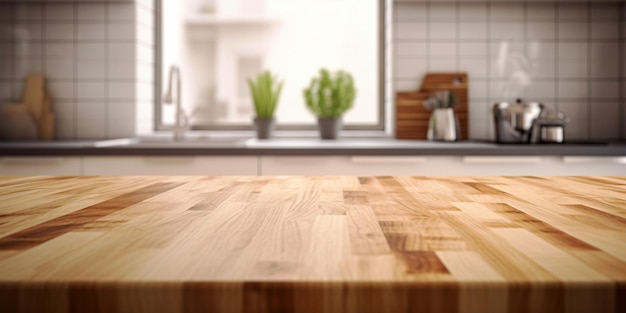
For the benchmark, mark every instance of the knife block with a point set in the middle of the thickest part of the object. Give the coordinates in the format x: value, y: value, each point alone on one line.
x: 411, y: 115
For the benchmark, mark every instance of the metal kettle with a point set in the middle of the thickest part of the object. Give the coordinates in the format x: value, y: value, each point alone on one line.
x: 514, y: 121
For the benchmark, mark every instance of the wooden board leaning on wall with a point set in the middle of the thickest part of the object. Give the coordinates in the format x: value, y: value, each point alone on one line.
x: 411, y: 115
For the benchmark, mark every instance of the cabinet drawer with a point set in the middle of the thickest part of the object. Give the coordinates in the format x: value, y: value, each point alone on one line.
x: 171, y: 165
x: 34, y: 165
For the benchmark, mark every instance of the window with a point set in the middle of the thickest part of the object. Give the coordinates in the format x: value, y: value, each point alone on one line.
x: 218, y: 44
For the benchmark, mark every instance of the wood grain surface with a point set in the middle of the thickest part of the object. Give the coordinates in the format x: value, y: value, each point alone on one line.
x: 313, y: 244
x: 411, y: 115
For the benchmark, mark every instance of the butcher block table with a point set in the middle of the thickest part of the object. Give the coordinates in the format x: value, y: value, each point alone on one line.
x: 312, y: 244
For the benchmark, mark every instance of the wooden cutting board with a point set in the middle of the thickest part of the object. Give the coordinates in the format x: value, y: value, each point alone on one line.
x: 330, y: 244
x: 411, y: 115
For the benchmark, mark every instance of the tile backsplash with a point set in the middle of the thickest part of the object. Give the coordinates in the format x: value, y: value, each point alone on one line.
x: 97, y: 57
x: 570, y: 56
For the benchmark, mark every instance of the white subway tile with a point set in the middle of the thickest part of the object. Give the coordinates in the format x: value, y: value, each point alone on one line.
x: 442, y: 30
x: 573, y: 30
x: 64, y: 128
x: 412, y: 30
x: 145, y: 73
x: 473, y: 49
x: 407, y: 84
x: 6, y: 12
x: 145, y: 91
x: 121, y: 11
x: 479, y: 128
x: 91, y: 51
x: 542, y: 69
x: 60, y: 68
x: 573, y: 50
x: 542, y: 90
x: 605, y: 30
x: 506, y: 11
x: 29, y: 31
x: 61, y: 31
x: 602, y: 11
x: 506, y: 30
x: 145, y: 35
x: 475, y: 68
x: 122, y: 31
x: 6, y: 31
x: 439, y: 50
x: 91, y: 128
x: 541, y: 50
x: 473, y: 30
x: 507, y: 90
x: 541, y: 30
x: 605, y: 120
x: 121, y: 70
x: 122, y: 52
x: 60, y: 89
x: 605, y: 90
x: 442, y: 11
x: 572, y: 90
x: 472, y: 11
x: 6, y: 50
x: 90, y: 90
x: 477, y: 89
x: 65, y: 110
x: 573, y: 69
x: 91, y: 12
x: 540, y: 11
x: 28, y: 12
x: 91, y: 32
x: 442, y: 65
x: 569, y: 11
x: 6, y: 66
x: 27, y: 49
x: 410, y: 49
x: 121, y: 90
x: 577, y: 112
x: 121, y: 119
x: 24, y: 67
x: 604, y: 60
x: 57, y: 12
x: 409, y: 11
x: 5, y: 91
x: 91, y: 69
x: 59, y: 51
x: 410, y: 68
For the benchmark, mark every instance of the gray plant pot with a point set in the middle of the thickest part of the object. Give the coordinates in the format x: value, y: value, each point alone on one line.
x: 264, y: 126
x: 329, y: 127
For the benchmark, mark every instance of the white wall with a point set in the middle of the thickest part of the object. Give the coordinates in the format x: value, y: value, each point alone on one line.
x: 97, y: 57
x: 566, y: 55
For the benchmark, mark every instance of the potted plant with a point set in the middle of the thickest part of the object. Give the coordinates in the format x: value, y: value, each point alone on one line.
x: 329, y: 96
x: 265, y: 90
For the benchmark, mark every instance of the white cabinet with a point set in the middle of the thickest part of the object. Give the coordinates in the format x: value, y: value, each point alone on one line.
x: 341, y: 165
x: 170, y: 165
x: 36, y: 165
x: 442, y: 165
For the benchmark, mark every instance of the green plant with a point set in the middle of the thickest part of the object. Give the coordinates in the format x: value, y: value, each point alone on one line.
x: 265, y: 92
x: 330, y: 95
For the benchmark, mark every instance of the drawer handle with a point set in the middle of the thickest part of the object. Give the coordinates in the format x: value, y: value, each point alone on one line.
x: 501, y: 160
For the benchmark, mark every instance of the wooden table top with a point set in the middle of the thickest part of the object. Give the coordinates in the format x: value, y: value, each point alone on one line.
x: 313, y: 244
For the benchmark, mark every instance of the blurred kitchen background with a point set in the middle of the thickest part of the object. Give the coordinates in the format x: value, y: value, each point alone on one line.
x: 99, y: 58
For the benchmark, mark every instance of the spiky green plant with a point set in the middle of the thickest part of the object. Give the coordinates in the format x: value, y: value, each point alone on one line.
x: 330, y: 95
x: 265, y: 92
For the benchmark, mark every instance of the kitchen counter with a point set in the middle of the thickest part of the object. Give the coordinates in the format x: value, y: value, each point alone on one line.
x: 311, y: 146
x: 313, y: 244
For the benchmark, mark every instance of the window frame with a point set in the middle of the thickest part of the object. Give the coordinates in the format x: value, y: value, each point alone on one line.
x: 158, y: 83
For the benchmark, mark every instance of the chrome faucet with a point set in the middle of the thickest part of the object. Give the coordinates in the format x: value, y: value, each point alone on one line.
x: 181, y: 119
